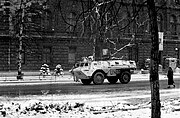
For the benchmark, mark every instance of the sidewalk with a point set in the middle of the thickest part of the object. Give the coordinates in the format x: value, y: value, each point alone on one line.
x: 26, y: 73
x: 31, y: 76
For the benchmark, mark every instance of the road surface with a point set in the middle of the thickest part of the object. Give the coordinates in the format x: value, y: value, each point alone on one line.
x: 138, y: 88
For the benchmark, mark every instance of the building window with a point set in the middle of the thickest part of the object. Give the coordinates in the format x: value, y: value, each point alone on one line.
x: 172, y: 1
x: 160, y: 23
x: 178, y: 20
x: 23, y: 57
x: 177, y: 1
x: 48, y: 21
x: 47, y: 55
x: 72, y: 55
x: 173, y: 23
x: 71, y: 20
x: 178, y: 24
x: 147, y: 27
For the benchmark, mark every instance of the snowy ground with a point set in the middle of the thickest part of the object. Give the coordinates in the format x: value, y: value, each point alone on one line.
x: 84, y: 106
x: 129, y: 104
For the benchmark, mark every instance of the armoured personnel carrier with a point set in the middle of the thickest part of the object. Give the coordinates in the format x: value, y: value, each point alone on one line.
x: 98, y: 71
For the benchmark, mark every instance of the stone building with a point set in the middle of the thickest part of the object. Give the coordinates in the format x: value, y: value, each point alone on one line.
x: 51, y: 35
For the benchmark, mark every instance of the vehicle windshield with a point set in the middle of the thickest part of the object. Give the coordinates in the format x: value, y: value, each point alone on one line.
x: 82, y: 64
x: 76, y: 65
x: 86, y: 64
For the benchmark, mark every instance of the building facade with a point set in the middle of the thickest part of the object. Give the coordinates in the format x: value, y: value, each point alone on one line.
x: 55, y: 32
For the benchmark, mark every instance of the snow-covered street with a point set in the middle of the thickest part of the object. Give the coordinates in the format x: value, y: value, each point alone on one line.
x: 46, y: 109
x: 89, y: 106
x: 74, y: 100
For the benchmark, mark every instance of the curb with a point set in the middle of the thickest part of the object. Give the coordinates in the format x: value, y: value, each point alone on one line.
x: 26, y: 73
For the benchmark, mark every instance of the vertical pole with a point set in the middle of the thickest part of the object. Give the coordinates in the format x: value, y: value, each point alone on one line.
x: 95, y: 33
x: 9, y: 55
x: 11, y: 32
x: 177, y: 54
x: 94, y: 48
x: 134, y: 30
x: 154, y: 76
x: 135, y: 49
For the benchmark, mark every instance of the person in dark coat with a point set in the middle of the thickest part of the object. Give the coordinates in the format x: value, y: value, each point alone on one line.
x: 170, y: 78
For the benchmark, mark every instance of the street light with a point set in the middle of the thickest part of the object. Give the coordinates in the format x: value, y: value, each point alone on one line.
x: 176, y: 49
x: 177, y: 54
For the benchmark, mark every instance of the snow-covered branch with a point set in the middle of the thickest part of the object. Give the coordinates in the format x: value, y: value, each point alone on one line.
x: 128, y: 45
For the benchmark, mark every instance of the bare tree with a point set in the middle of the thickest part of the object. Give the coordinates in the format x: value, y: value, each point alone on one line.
x: 106, y: 16
x: 24, y: 21
x: 101, y: 18
x: 21, y: 25
x: 154, y: 76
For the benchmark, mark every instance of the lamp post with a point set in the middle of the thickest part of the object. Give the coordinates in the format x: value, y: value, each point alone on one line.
x: 177, y: 55
x: 161, y: 38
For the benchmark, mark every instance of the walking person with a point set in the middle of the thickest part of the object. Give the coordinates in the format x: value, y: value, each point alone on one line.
x: 170, y: 78
x: 72, y: 73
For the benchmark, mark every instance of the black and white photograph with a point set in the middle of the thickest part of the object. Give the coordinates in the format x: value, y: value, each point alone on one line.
x: 89, y: 58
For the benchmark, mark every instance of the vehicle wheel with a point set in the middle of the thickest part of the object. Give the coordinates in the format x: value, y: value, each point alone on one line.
x: 86, y: 81
x: 98, y: 78
x: 125, y: 77
x: 112, y: 80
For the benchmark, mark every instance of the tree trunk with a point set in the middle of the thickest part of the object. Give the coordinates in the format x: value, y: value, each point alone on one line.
x: 154, y: 76
x: 20, y: 74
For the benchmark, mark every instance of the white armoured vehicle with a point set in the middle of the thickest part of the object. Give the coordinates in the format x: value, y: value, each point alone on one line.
x: 97, y: 71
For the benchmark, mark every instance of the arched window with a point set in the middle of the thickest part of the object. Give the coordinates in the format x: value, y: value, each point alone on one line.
x: 160, y: 22
x: 47, y: 52
x: 124, y: 21
x: 173, y: 24
x: 71, y: 20
x: 172, y: 1
x: 177, y: 1
x: 178, y: 19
